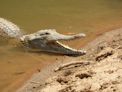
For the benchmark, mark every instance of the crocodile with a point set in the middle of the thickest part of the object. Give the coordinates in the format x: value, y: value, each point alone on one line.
x: 47, y: 40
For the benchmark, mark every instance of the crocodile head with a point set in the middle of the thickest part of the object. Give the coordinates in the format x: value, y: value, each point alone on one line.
x: 48, y: 40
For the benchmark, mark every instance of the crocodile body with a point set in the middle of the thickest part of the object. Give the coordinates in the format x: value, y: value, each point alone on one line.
x: 42, y: 40
x: 9, y: 29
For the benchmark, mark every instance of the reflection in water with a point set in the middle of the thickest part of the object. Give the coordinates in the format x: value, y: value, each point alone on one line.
x: 66, y: 16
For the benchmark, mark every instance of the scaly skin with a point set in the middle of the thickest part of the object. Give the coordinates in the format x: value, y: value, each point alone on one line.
x: 43, y: 40
x: 9, y: 29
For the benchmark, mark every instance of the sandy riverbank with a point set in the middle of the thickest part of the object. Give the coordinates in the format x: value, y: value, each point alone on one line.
x: 98, y: 71
x: 21, y: 68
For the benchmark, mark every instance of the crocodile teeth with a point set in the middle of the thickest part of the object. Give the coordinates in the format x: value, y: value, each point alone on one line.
x: 70, y: 50
x: 65, y: 46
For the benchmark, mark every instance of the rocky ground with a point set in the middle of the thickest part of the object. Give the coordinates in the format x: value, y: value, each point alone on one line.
x: 100, y: 70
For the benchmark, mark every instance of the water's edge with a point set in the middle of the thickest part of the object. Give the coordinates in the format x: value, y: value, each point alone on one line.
x: 49, y: 67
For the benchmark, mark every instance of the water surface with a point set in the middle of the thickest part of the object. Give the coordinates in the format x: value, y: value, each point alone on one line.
x: 66, y: 16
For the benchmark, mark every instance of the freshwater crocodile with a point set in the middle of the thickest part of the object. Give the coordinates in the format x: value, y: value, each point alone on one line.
x: 42, y: 40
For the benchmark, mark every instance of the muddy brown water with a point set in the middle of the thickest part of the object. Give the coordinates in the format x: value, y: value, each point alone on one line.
x: 92, y: 17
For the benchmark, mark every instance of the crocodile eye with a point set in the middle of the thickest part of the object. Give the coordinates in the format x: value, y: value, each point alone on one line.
x: 44, y: 34
x: 47, y: 33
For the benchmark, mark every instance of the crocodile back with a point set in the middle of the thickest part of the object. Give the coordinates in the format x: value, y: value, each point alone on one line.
x: 9, y: 29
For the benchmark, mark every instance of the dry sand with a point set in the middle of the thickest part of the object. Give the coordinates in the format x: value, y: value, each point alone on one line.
x: 100, y: 70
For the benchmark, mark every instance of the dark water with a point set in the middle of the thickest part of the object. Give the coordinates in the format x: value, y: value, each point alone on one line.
x: 66, y: 16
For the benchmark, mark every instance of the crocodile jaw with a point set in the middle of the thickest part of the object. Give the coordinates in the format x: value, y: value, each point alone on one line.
x: 52, y: 46
x: 64, y: 49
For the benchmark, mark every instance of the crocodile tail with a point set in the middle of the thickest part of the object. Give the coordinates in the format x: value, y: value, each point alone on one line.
x: 9, y: 29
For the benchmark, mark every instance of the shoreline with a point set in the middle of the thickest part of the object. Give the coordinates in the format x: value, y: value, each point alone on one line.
x: 51, y: 84
x: 64, y: 61
x: 20, y: 82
